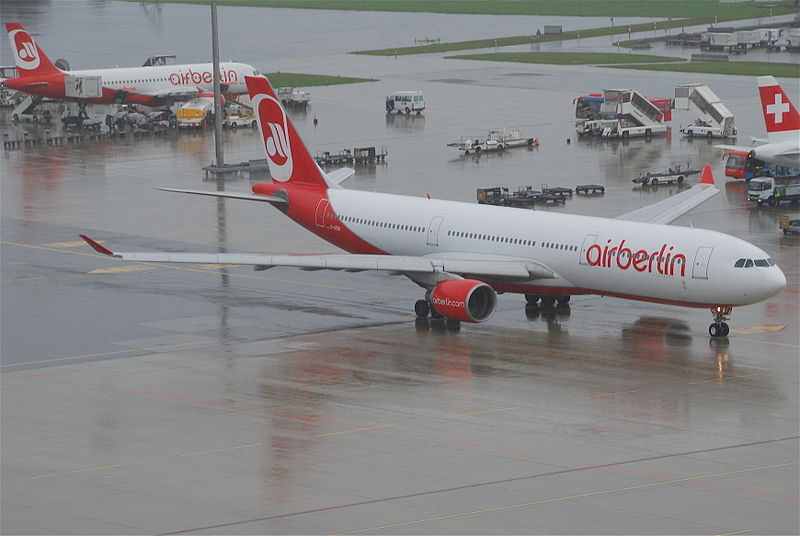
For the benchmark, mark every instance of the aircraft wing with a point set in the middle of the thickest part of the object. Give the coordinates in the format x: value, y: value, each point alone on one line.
x: 672, y: 208
x: 480, y: 266
x: 743, y: 148
x: 178, y: 92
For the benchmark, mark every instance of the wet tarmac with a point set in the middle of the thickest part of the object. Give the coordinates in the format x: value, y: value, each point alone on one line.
x: 141, y: 398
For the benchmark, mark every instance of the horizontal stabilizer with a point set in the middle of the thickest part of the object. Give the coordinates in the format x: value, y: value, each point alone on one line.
x: 232, y: 195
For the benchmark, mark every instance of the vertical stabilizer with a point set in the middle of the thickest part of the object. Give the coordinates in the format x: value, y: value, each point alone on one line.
x: 780, y: 115
x: 30, y: 59
x: 289, y: 160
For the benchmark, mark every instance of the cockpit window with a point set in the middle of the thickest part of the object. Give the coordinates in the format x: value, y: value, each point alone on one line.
x: 771, y: 262
x: 739, y: 263
x: 749, y: 263
x: 762, y: 262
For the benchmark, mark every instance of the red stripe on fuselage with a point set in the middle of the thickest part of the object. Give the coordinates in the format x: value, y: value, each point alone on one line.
x: 304, y: 203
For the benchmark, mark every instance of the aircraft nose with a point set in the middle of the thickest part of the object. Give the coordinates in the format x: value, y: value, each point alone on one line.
x: 774, y: 281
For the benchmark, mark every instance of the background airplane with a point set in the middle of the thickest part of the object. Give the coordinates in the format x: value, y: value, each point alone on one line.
x: 464, y: 254
x: 154, y: 85
x: 782, y: 122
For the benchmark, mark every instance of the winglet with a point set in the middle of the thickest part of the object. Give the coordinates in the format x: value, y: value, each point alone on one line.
x: 97, y: 246
x: 707, y: 177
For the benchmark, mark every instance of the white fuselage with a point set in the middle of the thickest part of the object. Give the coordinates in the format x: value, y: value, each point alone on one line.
x: 670, y: 264
x: 784, y: 153
x: 153, y: 79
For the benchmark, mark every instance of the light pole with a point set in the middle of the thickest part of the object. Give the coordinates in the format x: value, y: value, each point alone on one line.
x: 217, y: 95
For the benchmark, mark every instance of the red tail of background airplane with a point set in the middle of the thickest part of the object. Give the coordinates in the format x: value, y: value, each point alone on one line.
x: 30, y: 59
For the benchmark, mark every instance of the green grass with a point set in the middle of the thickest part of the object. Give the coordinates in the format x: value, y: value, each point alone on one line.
x: 567, y: 58
x: 748, y: 68
x: 576, y: 8
x: 307, y: 80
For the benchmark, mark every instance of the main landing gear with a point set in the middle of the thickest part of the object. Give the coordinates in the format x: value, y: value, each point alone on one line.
x: 720, y: 328
x: 547, y: 300
x: 423, y: 309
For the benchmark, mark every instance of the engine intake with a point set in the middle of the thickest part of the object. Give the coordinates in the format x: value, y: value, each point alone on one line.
x: 467, y: 300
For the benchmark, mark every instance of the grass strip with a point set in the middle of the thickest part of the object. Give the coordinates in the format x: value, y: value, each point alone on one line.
x: 746, y: 68
x: 567, y: 58
x: 280, y: 79
x: 573, y: 8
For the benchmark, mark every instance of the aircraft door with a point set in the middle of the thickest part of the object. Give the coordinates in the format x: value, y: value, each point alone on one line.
x: 700, y: 268
x: 589, y: 241
x: 433, y: 230
x: 322, y: 209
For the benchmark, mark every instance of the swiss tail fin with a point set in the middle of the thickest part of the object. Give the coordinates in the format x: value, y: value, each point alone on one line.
x: 289, y: 160
x: 30, y: 59
x: 780, y: 116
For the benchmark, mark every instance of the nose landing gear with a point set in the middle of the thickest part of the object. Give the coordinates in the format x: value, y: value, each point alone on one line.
x: 720, y: 328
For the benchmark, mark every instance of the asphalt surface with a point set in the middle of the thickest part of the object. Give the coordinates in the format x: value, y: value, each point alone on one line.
x: 142, y: 398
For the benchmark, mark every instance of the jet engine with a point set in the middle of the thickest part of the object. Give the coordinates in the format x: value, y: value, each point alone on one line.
x: 467, y: 300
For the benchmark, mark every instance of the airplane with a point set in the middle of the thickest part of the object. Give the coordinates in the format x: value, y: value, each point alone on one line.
x: 154, y: 85
x: 782, y: 145
x: 465, y: 254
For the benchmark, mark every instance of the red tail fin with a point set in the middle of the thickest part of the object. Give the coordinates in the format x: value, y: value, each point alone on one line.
x: 780, y: 115
x: 30, y: 59
x: 706, y: 177
x: 289, y: 160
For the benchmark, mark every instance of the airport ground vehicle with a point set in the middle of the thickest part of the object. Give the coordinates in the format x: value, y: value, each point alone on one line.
x: 622, y: 113
x: 464, y: 254
x: 714, y: 120
x: 789, y: 226
x: 497, y: 140
x: 743, y: 165
x: 669, y: 176
x: 240, y: 119
x: 769, y: 190
x: 405, y: 102
x: 196, y: 113
x: 292, y: 96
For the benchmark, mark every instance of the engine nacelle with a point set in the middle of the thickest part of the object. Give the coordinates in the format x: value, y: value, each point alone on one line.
x: 467, y: 300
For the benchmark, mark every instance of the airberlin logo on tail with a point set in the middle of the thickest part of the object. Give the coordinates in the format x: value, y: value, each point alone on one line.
x: 662, y: 261
x: 24, y: 50
x: 274, y: 128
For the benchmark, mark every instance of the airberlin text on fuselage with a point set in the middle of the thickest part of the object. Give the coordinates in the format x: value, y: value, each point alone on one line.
x: 663, y: 261
x: 196, y: 77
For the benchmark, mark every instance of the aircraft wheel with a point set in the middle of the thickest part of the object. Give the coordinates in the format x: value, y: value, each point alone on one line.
x: 532, y: 299
x: 718, y: 330
x: 563, y: 300
x: 422, y: 308
x: 548, y: 301
x: 532, y: 312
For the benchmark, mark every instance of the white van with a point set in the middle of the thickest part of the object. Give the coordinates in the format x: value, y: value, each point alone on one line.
x: 405, y: 102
